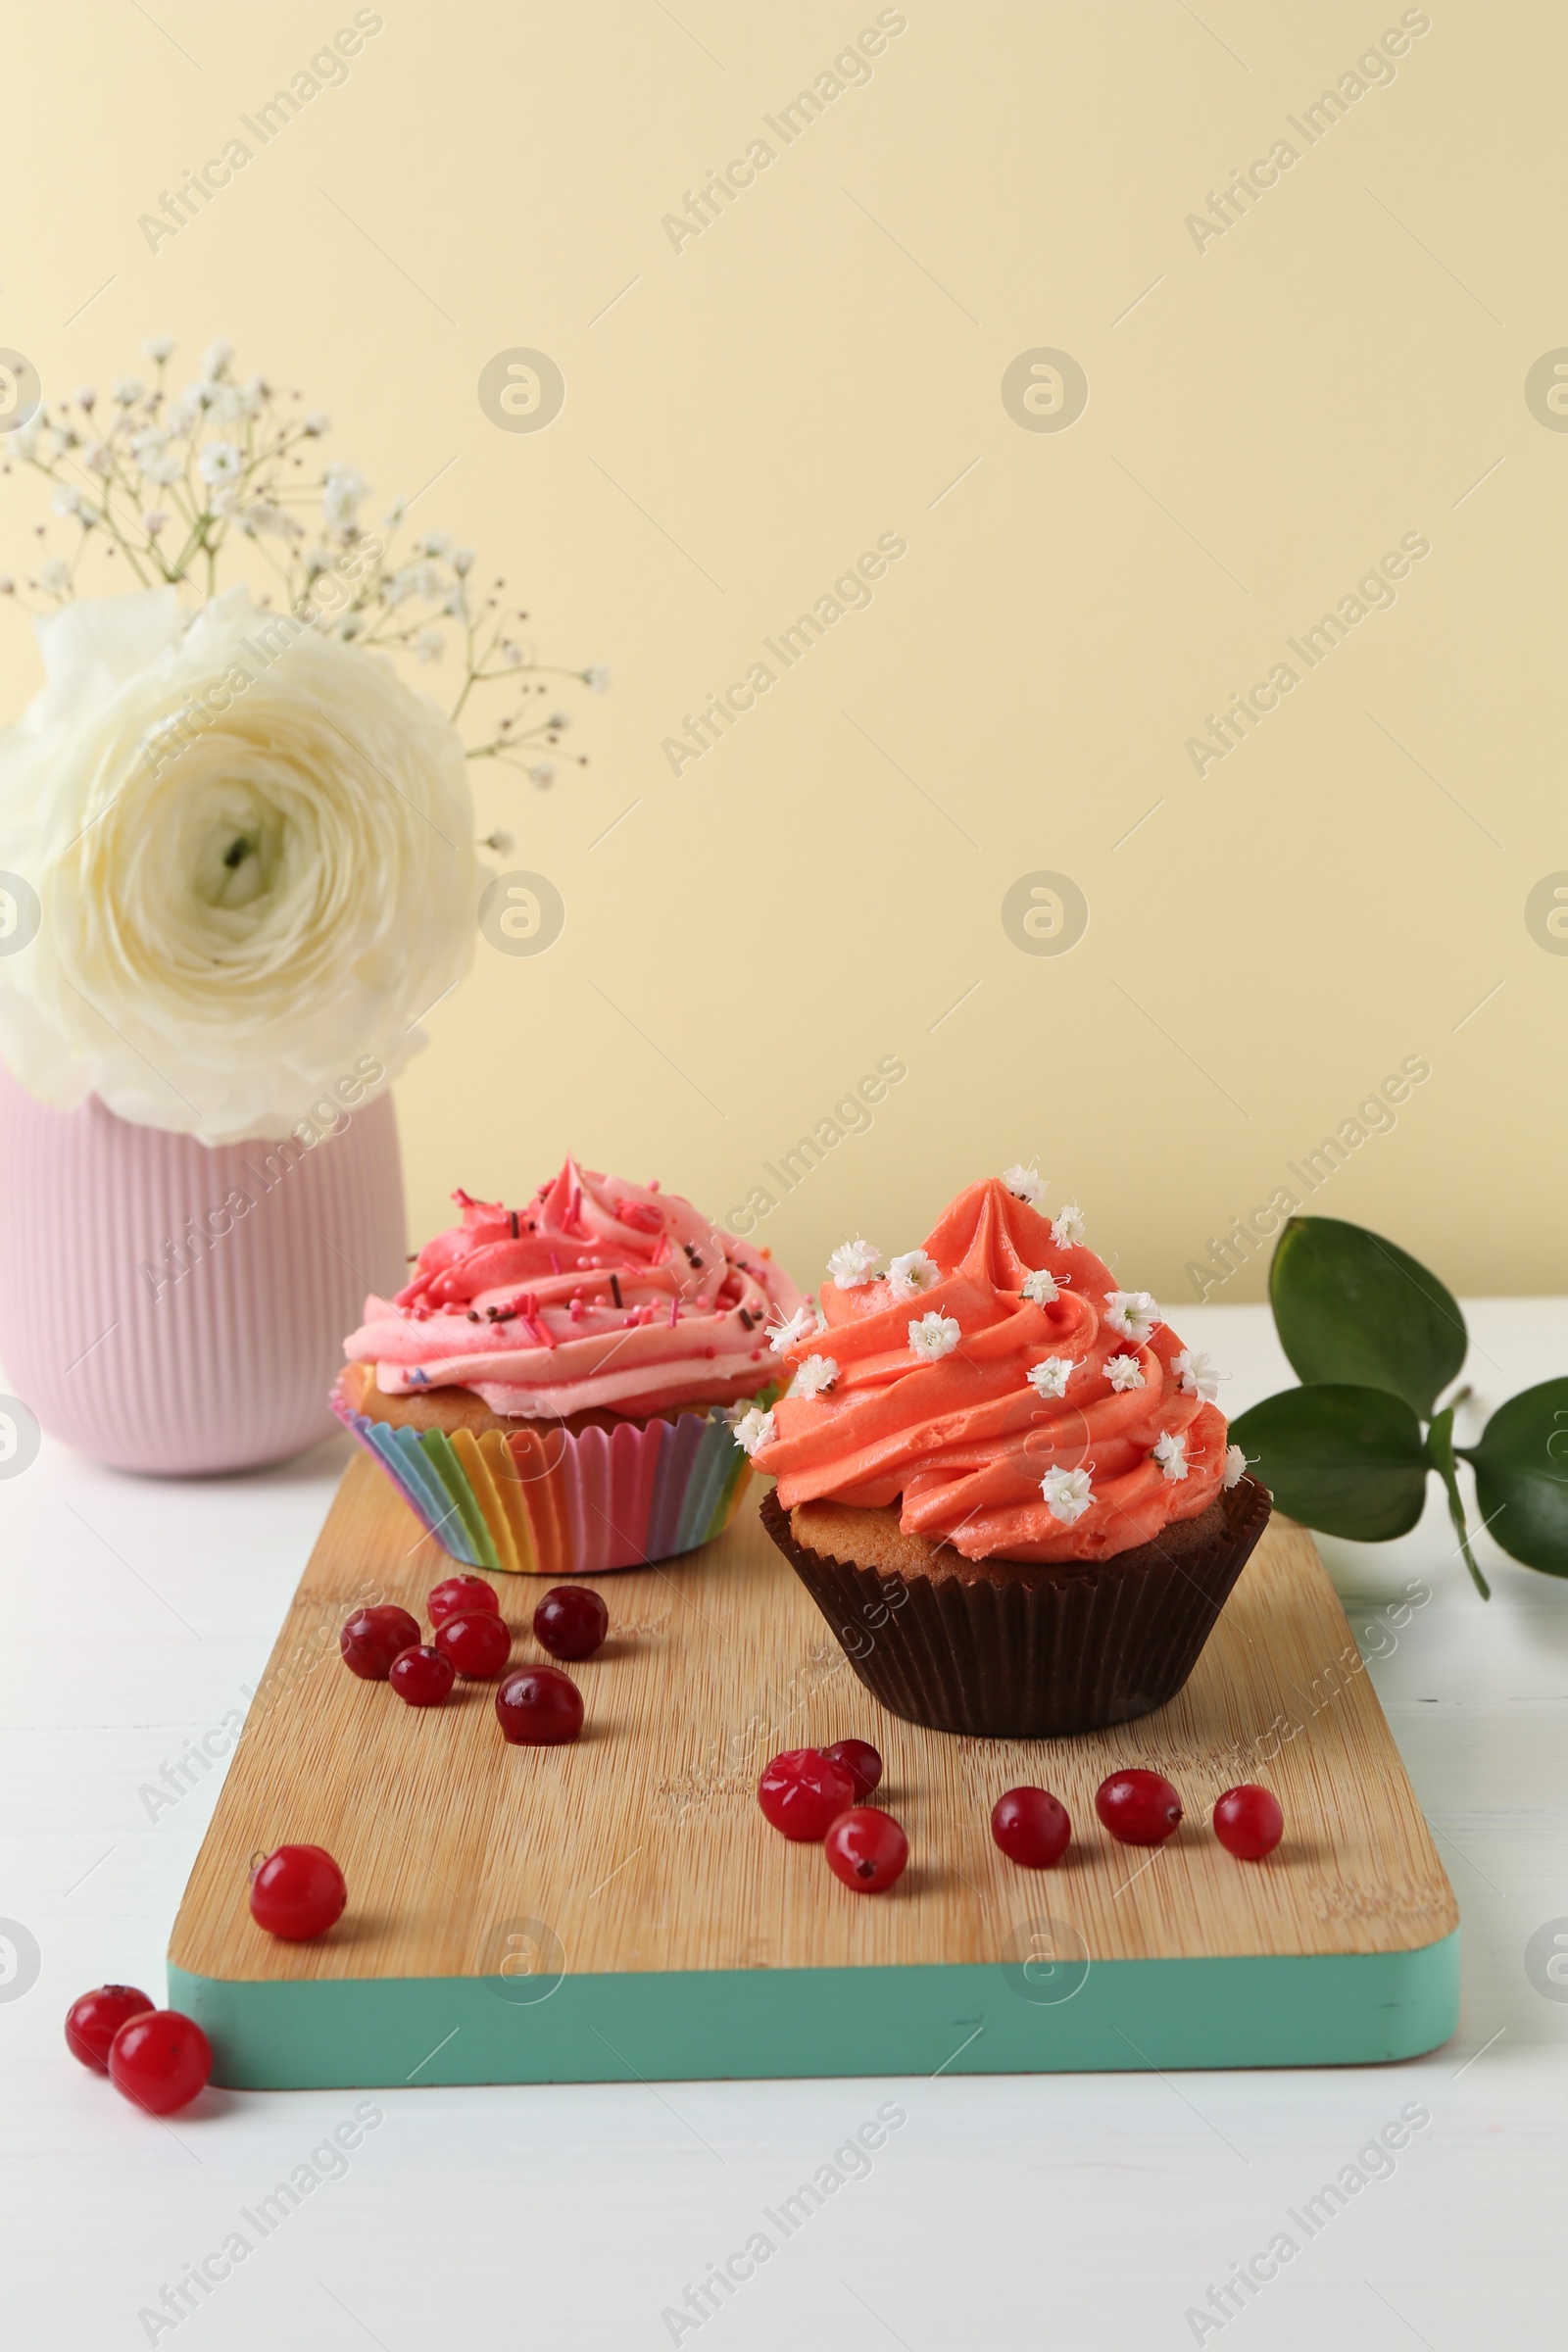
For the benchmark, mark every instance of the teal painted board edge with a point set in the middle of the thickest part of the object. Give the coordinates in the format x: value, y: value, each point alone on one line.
x: 1335, y: 2009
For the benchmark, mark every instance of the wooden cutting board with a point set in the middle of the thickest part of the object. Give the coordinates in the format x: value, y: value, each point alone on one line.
x: 619, y: 1909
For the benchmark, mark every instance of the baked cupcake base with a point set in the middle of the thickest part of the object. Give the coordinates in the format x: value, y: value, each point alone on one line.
x: 550, y: 1498
x: 1016, y: 1649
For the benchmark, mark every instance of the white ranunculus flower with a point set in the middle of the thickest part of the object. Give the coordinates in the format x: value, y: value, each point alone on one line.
x: 253, y: 848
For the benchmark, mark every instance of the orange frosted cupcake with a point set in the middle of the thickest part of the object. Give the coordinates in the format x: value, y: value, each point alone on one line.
x: 1005, y: 1482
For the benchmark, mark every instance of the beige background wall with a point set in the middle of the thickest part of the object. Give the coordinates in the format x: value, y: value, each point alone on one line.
x: 1267, y: 416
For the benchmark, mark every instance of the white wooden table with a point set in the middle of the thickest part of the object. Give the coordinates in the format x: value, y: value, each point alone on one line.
x: 1072, y: 2212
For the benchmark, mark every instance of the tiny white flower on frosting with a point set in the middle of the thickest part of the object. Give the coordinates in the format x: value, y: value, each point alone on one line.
x: 1067, y: 1494
x: 912, y: 1273
x: 754, y: 1430
x: 1042, y: 1287
x: 933, y: 1337
x: 1067, y: 1230
x: 818, y: 1372
x: 1050, y: 1379
x: 785, y: 1335
x: 1124, y: 1372
x: 1170, y: 1452
x: 853, y: 1263
x: 1198, y: 1373
x: 1234, y: 1465
x: 1131, y: 1312
x: 1027, y: 1183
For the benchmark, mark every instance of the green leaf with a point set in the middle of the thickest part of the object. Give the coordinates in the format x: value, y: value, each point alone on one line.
x: 1352, y: 1307
x: 1349, y: 1460
x: 1521, y: 1467
x: 1440, y: 1454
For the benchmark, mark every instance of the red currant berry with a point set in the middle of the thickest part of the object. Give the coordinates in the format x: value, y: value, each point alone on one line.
x: 422, y: 1675
x: 92, y: 2023
x: 459, y: 1593
x: 570, y: 1621
x: 1031, y: 1827
x: 1248, y: 1823
x: 372, y: 1638
x: 477, y: 1642
x: 860, y: 1760
x: 539, y: 1707
x: 866, y: 1849
x: 298, y: 1892
x: 803, y: 1792
x: 160, y: 2060
x: 1141, y: 1808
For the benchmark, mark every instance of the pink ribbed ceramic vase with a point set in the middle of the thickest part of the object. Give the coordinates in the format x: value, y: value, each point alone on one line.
x: 149, y: 1318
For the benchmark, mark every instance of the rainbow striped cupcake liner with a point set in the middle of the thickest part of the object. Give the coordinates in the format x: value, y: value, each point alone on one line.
x: 550, y: 1503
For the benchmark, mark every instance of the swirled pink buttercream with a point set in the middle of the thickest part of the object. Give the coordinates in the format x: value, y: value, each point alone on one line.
x: 598, y: 1293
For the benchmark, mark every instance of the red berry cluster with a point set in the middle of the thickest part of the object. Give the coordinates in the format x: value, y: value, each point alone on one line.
x: 1139, y: 1808
x: 538, y: 1706
x: 814, y: 1794
x: 155, y: 2057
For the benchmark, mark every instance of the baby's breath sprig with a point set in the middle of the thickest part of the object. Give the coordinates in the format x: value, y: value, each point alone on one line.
x: 167, y: 483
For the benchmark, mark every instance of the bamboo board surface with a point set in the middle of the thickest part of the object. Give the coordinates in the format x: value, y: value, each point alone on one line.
x: 641, y: 1848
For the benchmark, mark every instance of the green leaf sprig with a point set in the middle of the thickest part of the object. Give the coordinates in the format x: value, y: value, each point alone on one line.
x: 1376, y: 1339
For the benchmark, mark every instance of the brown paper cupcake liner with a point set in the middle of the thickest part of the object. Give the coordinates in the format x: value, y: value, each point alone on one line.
x: 1042, y: 1652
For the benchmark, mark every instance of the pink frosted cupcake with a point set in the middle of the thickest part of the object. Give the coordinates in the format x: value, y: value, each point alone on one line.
x: 555, y: 1390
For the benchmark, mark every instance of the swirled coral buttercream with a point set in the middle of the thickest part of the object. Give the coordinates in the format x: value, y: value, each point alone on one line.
x: 598, y: 1293
x: 1021, y: 1406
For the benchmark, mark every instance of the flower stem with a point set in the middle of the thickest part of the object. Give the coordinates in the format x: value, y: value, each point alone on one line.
x: 1440, y: 1454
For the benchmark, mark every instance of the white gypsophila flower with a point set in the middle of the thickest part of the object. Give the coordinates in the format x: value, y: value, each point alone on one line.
x: 263, y: 516
x: 560, y: 720
x: 595, y: 677
x: 543, y: 773
x: 1124, y: 1372
x: 1040, y: 1287
x: 254, y: 850
x: 435, y: 543
x: 224, y: 500
x: 157, y: 348
x: 853, y: 1263
x: 1170, y: 1452
x: 785, y: 1335
x: 1050, y: 1379
x: 215, y: 357
x: 315, y: 422
x: 1198, y: 1373
x: 342, y: 489
x: 911, y: 1274
x: 85, y: 398
x: 156, y: 458
x: 429, y: 645
x: 463, y: 559
x: 98, y: 457
x: 1068, y: 1494
x: 1027, y: 1183
x: 220, y: 462
x: 54, y: 578
x: 128, y: 389
x: 68, y: 500
x: 1234, y: 1465
x: 754, y: 1429
x: 154, y: 521
x: 24, y: 440
x: 1131, y: 1312
x: 181, y: 414
x: 818, y: 1372
x: 933, y: 1337
x: 1067, y: 1229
